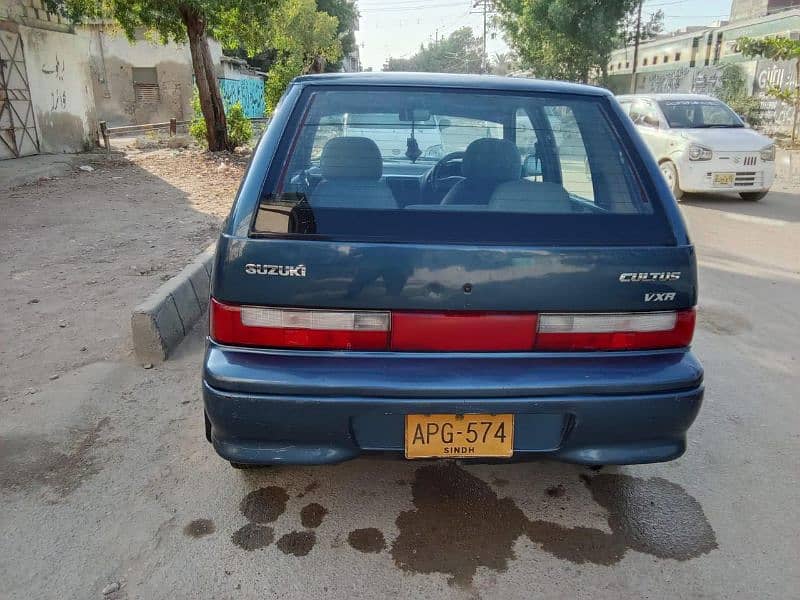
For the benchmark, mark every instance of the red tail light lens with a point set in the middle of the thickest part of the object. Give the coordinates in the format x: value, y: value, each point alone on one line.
x: 297, y: 328
x: 620, y: 331
x: 462, y: 332
x: 315, y: 329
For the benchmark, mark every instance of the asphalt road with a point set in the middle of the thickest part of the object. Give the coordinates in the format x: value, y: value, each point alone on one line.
x: 105, y: 477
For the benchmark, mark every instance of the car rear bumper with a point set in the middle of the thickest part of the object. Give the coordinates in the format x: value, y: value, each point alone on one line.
x: 320, y: 407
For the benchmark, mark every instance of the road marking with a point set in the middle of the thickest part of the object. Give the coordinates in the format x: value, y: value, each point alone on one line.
x: 757, y: 220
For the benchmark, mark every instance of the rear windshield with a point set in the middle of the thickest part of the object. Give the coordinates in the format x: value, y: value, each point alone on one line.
x: 449, y: 166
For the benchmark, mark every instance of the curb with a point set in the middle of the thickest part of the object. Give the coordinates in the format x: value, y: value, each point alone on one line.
x: 160, y: 322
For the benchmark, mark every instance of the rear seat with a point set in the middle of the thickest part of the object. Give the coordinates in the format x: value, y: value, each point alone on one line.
x: 531, y: 197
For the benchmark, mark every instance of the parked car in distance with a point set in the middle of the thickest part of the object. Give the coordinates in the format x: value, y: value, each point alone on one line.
x: 702, y: 145
x: 529, y: 293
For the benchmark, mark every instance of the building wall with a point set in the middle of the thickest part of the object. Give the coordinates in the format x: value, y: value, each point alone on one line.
x: 707, y: 47
x: 57, y: 67
x: 239, y: 83
x: 748, y: 9
x: 116, y: 63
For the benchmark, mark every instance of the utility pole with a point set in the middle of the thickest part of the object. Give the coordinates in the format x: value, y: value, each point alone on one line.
x: 486, y: 8
x: 636, y: 45
x: 484, y: 64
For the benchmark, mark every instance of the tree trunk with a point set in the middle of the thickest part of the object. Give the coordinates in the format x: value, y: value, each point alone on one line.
x: 317, y: 65
x: 206, y: 80
x: 796, y: 99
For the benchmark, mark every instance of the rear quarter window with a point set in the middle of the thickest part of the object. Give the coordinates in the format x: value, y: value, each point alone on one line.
x: 456, y: 166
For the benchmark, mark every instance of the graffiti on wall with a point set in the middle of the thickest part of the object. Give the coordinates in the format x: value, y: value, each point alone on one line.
x: 771, y: 74
x: 698, y: 80
x: 249, y: 92
x: 58, y: 95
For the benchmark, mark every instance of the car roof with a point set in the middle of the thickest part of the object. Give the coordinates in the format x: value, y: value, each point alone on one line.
x: 667, y: 96
x: 480, y: 82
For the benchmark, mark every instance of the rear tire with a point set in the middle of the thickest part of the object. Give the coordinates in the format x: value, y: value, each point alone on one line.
x: 670, y: 173
x: 753, y: 196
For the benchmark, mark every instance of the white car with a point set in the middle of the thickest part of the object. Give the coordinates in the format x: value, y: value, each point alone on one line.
x: 702, y: 145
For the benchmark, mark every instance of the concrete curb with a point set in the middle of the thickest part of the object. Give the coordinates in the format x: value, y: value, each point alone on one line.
x: 159, y: 323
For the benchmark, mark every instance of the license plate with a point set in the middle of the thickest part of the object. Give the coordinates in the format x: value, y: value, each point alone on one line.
x: 459, y: 436
x: 725, y: 179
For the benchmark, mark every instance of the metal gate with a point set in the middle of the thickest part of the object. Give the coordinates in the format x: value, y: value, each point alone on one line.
x: 18, y: 136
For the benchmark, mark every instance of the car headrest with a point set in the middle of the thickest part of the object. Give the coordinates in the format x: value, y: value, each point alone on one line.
x: 491, y: 159
x: 352, y: 158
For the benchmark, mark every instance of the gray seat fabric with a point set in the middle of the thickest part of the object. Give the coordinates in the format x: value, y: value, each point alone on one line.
x: 487, y: 163
x: 351, y: 170
x: 531, y: 197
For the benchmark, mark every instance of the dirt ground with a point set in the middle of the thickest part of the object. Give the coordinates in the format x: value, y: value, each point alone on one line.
x: 110, y: 490
x: 77, y: 253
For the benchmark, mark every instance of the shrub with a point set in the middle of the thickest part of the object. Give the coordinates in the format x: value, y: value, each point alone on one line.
x: 197, y: 128
x: 240, y: 130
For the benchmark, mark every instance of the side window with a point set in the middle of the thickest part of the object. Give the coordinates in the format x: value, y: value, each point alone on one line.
x: 576, y: 174
x: 644, y: 113
x: 626, y: 107
x: 527, y: 144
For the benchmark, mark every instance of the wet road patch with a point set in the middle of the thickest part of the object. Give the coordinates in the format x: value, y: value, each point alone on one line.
x: 264, y: 505
x: 653, y: 516
x: 459, y: 524
x: 311, y: 515
x: 199, y: 528
x: 31, y: 461
x: 253, y: 536
x: 297, y: 543
x: 367, y: 540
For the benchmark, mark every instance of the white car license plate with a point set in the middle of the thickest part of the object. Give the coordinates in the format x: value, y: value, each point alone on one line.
x: 723, y: 179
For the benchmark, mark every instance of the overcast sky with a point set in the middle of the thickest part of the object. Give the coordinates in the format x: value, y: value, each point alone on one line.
x: 397, y: 27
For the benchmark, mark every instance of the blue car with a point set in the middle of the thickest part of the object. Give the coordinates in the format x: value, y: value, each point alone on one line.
x: 451, y: 266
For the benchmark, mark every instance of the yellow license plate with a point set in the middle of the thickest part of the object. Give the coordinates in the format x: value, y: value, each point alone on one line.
x: 723, y: 178
x: 459, y: 436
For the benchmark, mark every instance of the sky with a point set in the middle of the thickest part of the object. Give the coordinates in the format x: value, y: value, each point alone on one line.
x: 397, y: 27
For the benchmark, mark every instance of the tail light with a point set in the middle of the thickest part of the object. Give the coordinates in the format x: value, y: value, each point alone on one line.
x: 620, y: 331
x: 404, y: 331
x: 293, y: 328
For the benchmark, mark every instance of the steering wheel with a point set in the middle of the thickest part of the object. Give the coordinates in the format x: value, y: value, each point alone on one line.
x: 438, y: 183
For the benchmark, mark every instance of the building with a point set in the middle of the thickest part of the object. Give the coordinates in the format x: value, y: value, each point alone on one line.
x: 140, y: 82
x: 703, y: 46
x: 46, y: 97
x: 741, y: 10
x: 58, y: 80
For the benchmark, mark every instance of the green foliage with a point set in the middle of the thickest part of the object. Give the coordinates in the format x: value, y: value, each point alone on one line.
x: 652, y: 25
x: 733, y: 92
x: 197, y: 127
x: 460, y: 52
x: 774, y: 48
x: 346, y: 12
x: 281, y: 73
x: 240, y: 129
x: 304, y: 40
x: 563, y: 39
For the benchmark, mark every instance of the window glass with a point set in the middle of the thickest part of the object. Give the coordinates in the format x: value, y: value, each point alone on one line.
x: 691, y: 113
x: 575, y: 172
x: 454, y: 166
x: 644, y: 113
